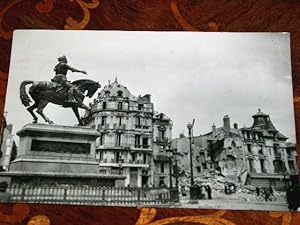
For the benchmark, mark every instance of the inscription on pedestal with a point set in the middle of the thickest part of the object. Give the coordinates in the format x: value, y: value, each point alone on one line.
x: 60, y: 147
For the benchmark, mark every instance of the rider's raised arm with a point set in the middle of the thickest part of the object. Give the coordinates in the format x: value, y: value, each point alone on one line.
x: 75, y: 70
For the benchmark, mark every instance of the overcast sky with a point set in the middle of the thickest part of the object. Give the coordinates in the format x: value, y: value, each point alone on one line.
x: 188, y: 74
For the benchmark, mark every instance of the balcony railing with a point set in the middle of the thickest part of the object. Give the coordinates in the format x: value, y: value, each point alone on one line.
x: 103, y: 127
x: 110, y: 145
x: 162, y: 139
x: 140, y: 126
x: 119, y: 126
x: 141, y: 146
x: 130, y: 161
x: 277, y: 154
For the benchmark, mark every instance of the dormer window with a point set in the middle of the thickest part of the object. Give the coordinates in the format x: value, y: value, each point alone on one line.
x: 120, y: 106
x: 120, y: 93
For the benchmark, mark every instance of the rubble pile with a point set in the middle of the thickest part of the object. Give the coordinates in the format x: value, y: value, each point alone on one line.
x: 218, y: 182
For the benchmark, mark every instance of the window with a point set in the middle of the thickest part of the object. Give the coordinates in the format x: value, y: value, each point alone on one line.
x: 102, y: 136
x: 204, y: 166
x: 251, y: 168
x: 140, y: 106
x: 138, y: 120
x: 145, y: 142
x: 260, y: 149
x: 133, y: 156
x: 198, y: 169
x: 248, y: 135
x: 162, y: 167
x: 278, y: 166
x: 262, y: 166
x: 120, y: 93
x: 144, y: 158
x: 103, y: 120
x: 120, y: 106
x: 100, y: 156
x: 119, y: 118
x: 249, y: 148
x: 277, y: 151
x: 137, y: 139
x: 292, y: 166
x: 104, y: 105
x: 162, y: 182
x: 162, y: 134
x: 118, y: 143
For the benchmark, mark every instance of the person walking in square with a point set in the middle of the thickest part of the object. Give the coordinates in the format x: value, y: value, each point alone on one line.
x: 208, y: 191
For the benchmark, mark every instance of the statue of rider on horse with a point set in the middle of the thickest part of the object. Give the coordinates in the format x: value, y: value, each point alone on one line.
x: 60, y: 91
x: 61, y: 70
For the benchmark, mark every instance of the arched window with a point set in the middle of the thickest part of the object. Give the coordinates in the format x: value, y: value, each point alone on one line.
x: 120, y: 93
x: 120, y: 106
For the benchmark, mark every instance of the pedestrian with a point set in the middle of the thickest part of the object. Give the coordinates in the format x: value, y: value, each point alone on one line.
x: 208, y: 190
x: 267, y: 195
x: 4, y: 195
x: 271, y: 191
x: 257, y: 191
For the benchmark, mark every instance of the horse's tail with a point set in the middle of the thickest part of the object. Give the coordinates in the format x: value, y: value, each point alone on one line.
x: 23, y: 95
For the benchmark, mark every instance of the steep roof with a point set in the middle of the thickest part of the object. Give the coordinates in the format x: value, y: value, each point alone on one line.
x: 116, y: 89
x: 263, y: 123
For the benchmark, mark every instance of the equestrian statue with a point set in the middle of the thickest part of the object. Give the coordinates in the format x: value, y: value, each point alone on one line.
x: 59, y: 91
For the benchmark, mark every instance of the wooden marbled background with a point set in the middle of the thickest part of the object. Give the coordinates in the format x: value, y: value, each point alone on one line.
x: 155, y: 15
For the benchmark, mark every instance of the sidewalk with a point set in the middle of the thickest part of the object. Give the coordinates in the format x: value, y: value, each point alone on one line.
x: 234, y: 204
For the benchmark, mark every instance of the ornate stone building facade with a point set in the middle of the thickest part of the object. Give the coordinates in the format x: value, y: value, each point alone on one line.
x: 125, y: 146
x: 269, y: 157
x: 258, y: 155
x: 162, y: 151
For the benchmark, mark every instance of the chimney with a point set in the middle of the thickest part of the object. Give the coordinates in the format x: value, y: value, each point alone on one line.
x: 226, y: 122
x: 214, y: 130
x: 235, y: 125
x: 9, y: 128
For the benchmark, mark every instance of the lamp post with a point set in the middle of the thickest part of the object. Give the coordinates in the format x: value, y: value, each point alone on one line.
x: 190, y: 127
x: 194, y: 190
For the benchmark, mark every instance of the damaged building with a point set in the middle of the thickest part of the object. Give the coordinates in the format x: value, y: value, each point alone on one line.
x: 258, y: 155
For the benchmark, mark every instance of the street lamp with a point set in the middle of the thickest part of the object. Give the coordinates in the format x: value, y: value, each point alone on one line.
x: 190, y: 127
x: 194, y: 190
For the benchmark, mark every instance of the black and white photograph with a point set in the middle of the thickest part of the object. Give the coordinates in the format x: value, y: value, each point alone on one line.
x: 138, y: 118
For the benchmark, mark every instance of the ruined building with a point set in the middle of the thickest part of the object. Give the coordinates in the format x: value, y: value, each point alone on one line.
x: 258, y: 155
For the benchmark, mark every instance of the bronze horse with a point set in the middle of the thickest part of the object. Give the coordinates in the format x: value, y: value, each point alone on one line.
x: 43, y: 92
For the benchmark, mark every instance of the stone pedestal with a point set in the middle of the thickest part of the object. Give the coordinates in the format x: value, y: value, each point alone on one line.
x: 55, y: 148
x: 51, y: 154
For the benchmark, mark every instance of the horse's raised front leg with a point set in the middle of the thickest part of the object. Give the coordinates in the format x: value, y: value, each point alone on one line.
x: 75, y: 110
x: 41, y: 106
x: 30, y: 109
